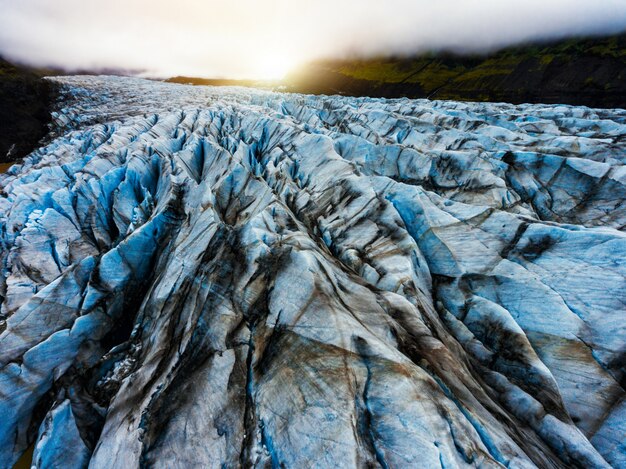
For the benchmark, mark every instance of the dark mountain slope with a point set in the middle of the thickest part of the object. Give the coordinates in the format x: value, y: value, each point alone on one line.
x: 263, y: 84
x: 588, y: 72
x: 25, y: 110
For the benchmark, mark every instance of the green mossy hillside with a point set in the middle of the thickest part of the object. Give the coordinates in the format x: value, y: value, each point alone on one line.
x: 588, y: 71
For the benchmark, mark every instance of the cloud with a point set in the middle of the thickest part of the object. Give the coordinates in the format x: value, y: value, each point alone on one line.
x: 248, y: 38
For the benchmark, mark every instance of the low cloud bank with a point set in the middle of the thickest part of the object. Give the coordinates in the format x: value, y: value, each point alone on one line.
x: 263, y: 38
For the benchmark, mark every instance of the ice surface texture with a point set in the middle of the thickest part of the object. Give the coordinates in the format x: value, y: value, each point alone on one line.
x: 204, y: 277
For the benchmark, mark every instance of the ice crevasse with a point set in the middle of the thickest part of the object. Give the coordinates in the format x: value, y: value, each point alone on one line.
x: 222, y: 277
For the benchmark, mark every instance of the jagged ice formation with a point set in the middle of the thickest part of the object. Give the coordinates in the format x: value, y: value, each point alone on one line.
x: 206, y: 277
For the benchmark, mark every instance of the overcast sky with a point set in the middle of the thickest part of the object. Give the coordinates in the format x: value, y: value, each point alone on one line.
x: 264, y: 38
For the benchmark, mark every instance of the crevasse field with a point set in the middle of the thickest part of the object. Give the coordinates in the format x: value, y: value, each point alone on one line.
x: 220, y: 277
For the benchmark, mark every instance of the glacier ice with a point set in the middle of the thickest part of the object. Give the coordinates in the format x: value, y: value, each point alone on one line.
x: 223, y: 277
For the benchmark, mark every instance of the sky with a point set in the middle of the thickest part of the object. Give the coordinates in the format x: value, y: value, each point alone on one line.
x: 264, y: 39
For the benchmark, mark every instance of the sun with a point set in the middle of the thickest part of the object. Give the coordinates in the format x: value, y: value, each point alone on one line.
x: 273, y: 67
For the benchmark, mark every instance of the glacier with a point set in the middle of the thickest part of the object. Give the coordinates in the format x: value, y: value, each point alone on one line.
x: 228, y: 277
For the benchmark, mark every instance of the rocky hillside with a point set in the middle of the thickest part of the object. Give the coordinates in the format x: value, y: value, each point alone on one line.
x: 25, y: 106
x: 589, y: 72
x: 226, y: 277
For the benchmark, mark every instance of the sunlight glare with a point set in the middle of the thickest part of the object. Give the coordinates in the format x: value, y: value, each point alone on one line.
x: 273, y: 67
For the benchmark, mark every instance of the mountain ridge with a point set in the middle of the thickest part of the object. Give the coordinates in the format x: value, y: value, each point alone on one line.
x: 577, y: 71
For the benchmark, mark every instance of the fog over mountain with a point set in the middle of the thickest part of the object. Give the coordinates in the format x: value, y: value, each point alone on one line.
x: 264, y: 39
